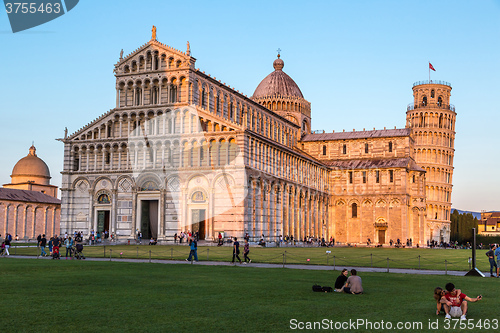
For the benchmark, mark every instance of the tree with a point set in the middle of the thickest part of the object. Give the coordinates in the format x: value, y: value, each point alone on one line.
x: 461, y: 227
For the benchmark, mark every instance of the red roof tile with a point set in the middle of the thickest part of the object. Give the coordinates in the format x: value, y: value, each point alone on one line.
x: 10, y: 194
x: 385, y: 163
x: 357, y: 135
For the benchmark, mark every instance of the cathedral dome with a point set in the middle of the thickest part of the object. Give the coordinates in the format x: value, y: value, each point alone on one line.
x: 31, y: 168
x: 278, y: 83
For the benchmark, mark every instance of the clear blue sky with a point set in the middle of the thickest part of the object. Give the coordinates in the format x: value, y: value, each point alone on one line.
x: 355, y: 61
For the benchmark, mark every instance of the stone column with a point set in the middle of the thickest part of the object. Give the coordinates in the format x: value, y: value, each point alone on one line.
x: 114, y: 208
x: 254, y: 207
x: 34, y: 223
x: 45, y: 220
x: 161, y: 224
x: 134, y: 213
x: 91, y: 212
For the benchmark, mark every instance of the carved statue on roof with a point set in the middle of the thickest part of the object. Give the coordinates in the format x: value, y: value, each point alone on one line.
x: 188, y: 49
x: 153, y: 33
x: 65, y: 132
x: 121, y: 54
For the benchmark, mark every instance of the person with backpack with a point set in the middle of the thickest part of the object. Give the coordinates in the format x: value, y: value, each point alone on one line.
x: 193, y: 245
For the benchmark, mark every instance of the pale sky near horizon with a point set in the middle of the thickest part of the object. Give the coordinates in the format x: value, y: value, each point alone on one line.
x: 355, y: 61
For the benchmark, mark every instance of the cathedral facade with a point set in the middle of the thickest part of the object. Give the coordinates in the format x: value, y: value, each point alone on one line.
x: 183, y: 151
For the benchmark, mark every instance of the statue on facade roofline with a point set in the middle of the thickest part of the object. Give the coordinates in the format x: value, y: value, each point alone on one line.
x: 153, y: 33
x: 121, y: 54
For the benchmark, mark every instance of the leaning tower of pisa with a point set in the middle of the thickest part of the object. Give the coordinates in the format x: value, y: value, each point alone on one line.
x: 432, y: 119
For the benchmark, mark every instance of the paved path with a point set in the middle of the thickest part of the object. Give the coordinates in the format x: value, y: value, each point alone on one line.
x: 263, y: 265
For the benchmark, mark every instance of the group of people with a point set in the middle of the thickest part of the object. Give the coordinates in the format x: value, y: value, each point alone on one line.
x: 452, y: 301
x: 55, y: 243
x: 186, y: 235
x: 236, y: 251
x: 494, y: 265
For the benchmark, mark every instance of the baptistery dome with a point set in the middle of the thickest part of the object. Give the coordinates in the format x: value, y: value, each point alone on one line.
x: 31, y: 168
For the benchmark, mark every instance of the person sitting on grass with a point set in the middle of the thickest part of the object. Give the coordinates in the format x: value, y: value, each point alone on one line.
x: 353, y: 284
x: 441, y: 300
x: 458, y: 301
x: 341, y: 280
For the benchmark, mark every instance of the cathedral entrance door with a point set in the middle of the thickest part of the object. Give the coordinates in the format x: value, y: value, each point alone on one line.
x: 198, y: 222
x: 102, y: 221
x: 149, y: 219
x: 381, y: 236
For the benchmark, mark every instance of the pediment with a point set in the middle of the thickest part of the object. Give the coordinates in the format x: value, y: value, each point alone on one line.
x: 168, y: 54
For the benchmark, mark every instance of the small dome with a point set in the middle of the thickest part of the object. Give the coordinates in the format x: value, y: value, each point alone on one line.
x: 278, y: 83
x: 31, y: 167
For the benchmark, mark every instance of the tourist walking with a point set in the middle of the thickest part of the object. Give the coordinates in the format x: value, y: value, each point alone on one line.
x: 7, y: 244
x: 51, y: 241
x: 193, y: 245
x: 246, y: 251
x: 43, y: 243
x: 236, y: 250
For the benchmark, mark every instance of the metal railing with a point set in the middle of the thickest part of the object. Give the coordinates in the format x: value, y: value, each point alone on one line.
x: 413, y: 106
x: 444, y: 83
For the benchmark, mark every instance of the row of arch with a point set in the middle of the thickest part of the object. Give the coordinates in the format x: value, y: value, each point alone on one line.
x: 431, y: 119
x: 434, y: 138
x: 28, y: 220
x: 139, y: 155
x: 153, y: 123
x: 435, y: 156
x: 277, y: 208
x: 438, y: 193
x: 143, y: 92
x: 438, y: 175
x: 150, y: 61
x: 175, y: 121
x: 279, y: 163
x: 229, y: 106
x: 172, y: 182
x: 438, y: 212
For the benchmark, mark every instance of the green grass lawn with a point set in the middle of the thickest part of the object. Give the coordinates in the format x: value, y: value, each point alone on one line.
x: 340, y: 256
x: 86, y: 296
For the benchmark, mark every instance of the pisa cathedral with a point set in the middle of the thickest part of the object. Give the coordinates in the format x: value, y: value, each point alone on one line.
x: 183, y: 151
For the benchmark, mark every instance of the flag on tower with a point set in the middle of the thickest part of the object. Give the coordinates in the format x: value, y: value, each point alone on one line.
x: 431, y: 67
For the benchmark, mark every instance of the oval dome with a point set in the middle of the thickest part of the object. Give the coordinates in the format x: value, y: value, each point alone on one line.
x: 278, y: 83
x: 31, y: 167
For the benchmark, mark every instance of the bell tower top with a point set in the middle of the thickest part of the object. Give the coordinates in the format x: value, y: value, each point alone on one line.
x: 431, y: 94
